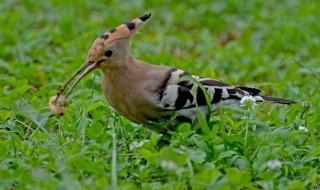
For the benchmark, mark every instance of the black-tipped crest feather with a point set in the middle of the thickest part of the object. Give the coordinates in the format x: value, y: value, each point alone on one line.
x: 145, y: 17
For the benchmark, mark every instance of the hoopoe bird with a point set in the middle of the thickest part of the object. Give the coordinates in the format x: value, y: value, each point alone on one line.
x: 148, y: 94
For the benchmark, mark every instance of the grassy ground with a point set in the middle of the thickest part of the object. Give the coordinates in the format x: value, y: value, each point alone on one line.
x: 272, y: 45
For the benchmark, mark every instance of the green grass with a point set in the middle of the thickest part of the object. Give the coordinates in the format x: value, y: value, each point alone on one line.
x: 275, y: 47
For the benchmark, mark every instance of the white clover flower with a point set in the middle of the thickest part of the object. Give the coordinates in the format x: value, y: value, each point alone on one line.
x: 248, y: 101
x: 169, y: 165
x: 274, y: 164
x: 137, y: 144
x: 302, y: 128
x: 306, y: 105
x: 69, y: 139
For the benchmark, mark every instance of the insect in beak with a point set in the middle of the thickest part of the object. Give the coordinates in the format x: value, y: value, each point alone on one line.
x: 55, y: 102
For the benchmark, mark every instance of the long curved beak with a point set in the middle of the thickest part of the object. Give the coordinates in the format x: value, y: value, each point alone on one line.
x: 88, y: 67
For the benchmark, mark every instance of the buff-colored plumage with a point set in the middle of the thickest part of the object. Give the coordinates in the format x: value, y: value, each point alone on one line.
x: 130, y: 90
x: 149, y: 94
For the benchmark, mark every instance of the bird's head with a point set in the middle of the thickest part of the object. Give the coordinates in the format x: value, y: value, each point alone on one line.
x: 111, y: 49
x: 114, y: 45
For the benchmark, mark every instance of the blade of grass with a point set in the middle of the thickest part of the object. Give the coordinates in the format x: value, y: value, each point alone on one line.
x: 307, y: 67
x: 114, y: 171
x: 39, y: 126
x: 203, y: 123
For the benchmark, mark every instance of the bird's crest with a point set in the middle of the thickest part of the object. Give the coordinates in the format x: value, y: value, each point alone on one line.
x: 125, y: 30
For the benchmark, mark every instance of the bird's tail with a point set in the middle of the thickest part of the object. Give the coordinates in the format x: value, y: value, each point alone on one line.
x: 277, y: 100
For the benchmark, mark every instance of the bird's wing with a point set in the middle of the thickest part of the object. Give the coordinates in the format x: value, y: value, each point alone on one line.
x: 180, y: 94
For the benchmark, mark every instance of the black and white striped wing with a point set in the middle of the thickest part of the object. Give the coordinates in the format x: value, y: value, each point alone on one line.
x: 184, y: 95
x: 181, y: 96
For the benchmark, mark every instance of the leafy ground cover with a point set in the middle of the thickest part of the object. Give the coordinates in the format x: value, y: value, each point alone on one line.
x: 271, y: 45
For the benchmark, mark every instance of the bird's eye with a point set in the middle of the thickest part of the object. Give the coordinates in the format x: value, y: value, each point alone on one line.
x: 108, y: 53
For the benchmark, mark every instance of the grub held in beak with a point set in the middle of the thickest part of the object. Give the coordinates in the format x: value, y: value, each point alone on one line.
x: 57, y: 101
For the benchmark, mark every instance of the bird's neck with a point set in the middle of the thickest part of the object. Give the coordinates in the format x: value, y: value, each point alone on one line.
x: 118, y: 67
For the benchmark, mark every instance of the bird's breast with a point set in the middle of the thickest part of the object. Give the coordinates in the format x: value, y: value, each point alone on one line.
x: 128, y: 99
